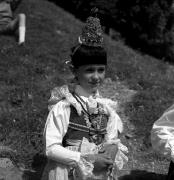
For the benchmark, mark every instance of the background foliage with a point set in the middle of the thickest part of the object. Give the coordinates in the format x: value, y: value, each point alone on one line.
x: 145, y: 25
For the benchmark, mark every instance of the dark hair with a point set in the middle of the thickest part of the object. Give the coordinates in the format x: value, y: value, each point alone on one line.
x: 84, y: 55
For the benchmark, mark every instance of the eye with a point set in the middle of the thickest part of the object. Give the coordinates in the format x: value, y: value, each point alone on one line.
x: 101, y: 70
x: 89, y: 70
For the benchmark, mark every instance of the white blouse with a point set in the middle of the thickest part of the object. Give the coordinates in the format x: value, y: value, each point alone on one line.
x: 57, y: 125
x: 162, y: 134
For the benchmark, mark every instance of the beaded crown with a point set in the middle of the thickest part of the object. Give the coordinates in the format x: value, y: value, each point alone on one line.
x: 92, y: 31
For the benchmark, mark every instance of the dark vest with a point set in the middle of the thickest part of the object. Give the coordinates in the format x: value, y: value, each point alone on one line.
x: 78, y: 129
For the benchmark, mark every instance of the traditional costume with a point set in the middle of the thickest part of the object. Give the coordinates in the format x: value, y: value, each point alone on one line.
x: 80, y: 123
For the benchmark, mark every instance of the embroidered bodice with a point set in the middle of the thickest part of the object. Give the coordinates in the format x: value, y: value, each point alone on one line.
x: 93, y: 115
x: 78, y: 127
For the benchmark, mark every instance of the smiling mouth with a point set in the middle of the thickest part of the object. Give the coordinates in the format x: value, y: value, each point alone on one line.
x: 95, y: 83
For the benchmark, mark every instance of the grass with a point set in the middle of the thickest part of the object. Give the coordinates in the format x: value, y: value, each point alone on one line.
x: 28, y: 73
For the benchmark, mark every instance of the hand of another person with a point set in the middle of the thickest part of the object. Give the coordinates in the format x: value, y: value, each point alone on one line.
x: 109, y: 150
x: 101, y: 161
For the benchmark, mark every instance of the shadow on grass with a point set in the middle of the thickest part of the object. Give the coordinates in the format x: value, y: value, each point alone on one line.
x: 36, y: 175
x: 39, y: 162
x: 134, y: 175
x: 143, y: 175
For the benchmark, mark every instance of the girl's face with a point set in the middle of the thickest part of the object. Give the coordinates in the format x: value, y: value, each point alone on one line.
x: 90, y: 77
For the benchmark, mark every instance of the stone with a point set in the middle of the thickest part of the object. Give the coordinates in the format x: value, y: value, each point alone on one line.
x: 8, y: 171
x: 6, y: 163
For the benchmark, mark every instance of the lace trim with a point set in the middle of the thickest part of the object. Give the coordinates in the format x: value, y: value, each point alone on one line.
x: 60, y: 93
x: 109, y: 106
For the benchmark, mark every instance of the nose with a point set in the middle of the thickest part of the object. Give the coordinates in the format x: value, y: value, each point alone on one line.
x: 96, y: 76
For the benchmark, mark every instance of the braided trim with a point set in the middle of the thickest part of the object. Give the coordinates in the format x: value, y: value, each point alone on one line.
x: 85, y: 128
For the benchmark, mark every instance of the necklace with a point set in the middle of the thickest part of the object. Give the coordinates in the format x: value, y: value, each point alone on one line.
x: 93, y: 116
x: 86, y: 114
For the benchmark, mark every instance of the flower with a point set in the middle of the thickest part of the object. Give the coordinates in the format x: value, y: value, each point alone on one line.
x: 97, y: 114
x: 92, y: 105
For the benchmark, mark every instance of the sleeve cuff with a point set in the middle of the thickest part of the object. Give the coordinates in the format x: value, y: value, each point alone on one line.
x: 63, y: 155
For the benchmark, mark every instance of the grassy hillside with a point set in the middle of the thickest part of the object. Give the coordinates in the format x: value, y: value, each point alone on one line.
x: 28, y: 73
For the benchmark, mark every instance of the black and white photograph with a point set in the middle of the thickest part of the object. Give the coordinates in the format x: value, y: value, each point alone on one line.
x: 86, y: 90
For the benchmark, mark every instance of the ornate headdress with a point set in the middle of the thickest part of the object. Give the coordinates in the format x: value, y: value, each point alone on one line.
x: 90, y: 48
x: 92, y: 31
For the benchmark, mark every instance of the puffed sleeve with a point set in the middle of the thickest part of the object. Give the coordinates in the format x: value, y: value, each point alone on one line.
x: 162, y: 134
x: 114, y: 124
x: 55, y: 129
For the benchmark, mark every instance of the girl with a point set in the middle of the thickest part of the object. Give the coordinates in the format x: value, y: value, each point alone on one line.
x: 81, y: 131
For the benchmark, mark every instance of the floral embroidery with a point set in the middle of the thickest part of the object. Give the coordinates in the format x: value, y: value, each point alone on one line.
x: 105, y: 108
x: 97, y: 119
